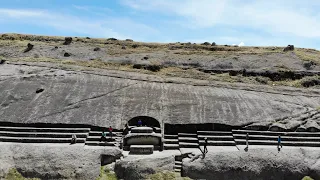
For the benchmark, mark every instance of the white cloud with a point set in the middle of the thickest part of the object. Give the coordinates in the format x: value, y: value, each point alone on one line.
x: 12, y: 13
x: 69, y: 24
x: 241, y: 44
x: 288, y: 17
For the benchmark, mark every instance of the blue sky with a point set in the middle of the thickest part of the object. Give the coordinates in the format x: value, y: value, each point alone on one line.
x: 253, y: 23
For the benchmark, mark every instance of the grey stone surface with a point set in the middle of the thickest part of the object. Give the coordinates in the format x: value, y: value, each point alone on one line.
x: 135, y: 167
x: 87, y: 98
x: 54, y: 161
x: 256, y: 164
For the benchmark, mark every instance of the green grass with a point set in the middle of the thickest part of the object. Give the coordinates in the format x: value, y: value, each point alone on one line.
x: 105, y: 174
x: 166, y: 175
x: 307, y: 178
x: 13, y: 174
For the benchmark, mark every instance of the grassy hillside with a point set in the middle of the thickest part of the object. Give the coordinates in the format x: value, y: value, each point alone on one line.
x: 180, y: 59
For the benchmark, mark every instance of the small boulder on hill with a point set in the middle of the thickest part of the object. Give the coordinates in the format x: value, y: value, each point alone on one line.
x: 2, y: 61
x: 66, y: 54
x: 67, y: 40
x: 29, y: 47
x: 288, y: 48
x: 206, y: 43
x: 96, y: 49
x: 112, y: 39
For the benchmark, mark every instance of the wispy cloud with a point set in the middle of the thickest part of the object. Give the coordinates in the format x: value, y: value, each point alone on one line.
x: 22, y: 13
x: 70, y: 24
x: 286, y: 17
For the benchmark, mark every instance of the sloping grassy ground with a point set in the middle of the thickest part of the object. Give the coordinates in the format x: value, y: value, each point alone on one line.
x: 168, y: 68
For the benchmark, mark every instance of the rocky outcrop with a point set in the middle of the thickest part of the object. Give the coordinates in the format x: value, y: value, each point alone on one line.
x: 289, y: 48
x: 67, y: 40
x: 257, y: 164
x: 29, y: 47
x: 89, y: 98
x: 55, y: 161
x: 140, y: 167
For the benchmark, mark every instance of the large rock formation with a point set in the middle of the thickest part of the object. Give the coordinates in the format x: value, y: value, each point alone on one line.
x: 53, y: 161
x: 257, y: 164
x: 113, y: 99
x: 139, y: 167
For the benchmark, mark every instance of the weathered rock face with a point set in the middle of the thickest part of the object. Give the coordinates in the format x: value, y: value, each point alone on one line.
x: 257, y: 164
x: 54, y: 161
x: 84, y: 98
x: 139, y: 167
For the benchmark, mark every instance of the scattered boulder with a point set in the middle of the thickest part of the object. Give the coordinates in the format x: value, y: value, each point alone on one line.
x: 145, y: 58
x: 135, y: 45
x: 112, y: 39
x: 96, y: 49
x: 206, y: 43
x: 56, y: 47
x: 289, y: 48
x: 308, y: 65
x: 88, y: 38
x: 123, y: 47
x: 66, y: 54
x: 67, y: 40
x: 39, y: 90
x: 2, y: 61
x: 130, y: 40
x: 213, y: 44
x: 310, y: 81
x: 29, y: 47
x: 146, y: 66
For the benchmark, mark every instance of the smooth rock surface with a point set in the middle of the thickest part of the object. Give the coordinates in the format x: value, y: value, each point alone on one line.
x: 54, y: 161
x: 87, y: 98
x: 256, y: 164
x: 135, y: 167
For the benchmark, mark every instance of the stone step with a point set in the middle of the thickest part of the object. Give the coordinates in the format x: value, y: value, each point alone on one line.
x: 283, y: 138
x: 39, y: 140
x: 271, y: 133
x: 167, y: 136
x: 188, y: 139
x: 33, y: 129
x: 42, y: 134
x: 141, y: 149
x: 215, y: 133
x: 177, y: 166
x: 216, y: 138
x: 170, y: 146
x: 177, y: 170
x: 286, y: 143
x: 218, y: 143
x: 99, y: 133
x: 171, y: 141
x: 157, y: 130
x: 188, y: 145
x: 98, y: 143
x: 187, y: 135
x: 178, y: 163
x: 142, y: 130
x: 97, y: 138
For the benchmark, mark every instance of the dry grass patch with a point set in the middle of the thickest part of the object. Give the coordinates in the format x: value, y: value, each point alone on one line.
x: 308, y: 55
